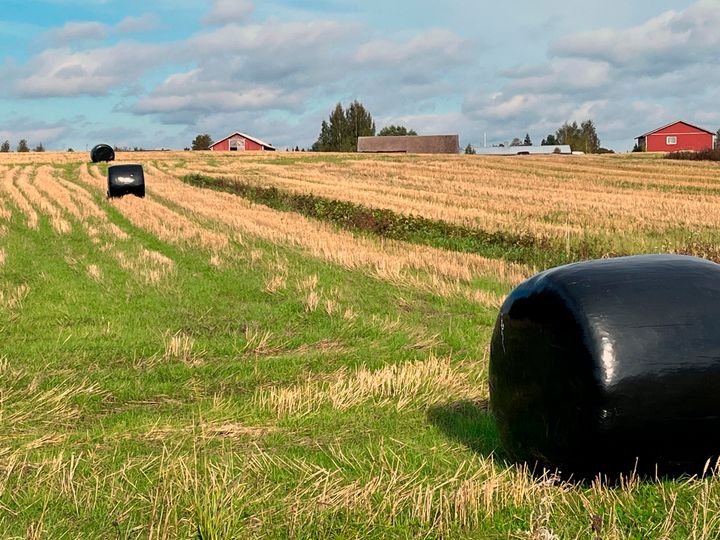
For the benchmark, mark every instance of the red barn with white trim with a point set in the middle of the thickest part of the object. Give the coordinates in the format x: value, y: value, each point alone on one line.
x: 676, y: 136
x: 240, y: 142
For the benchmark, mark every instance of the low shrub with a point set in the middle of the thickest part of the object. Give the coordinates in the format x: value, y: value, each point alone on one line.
x: 702, y: 155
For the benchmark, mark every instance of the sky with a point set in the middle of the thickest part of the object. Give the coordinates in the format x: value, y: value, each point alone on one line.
x: 154, y: 74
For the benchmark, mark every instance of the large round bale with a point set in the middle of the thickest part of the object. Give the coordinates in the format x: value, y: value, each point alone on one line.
x: 102, y: 152
x: 611, y: 364
x: 126, y: 180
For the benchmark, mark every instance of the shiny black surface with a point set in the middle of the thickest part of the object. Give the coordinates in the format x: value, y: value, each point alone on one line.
x: 598, y: 364
x: 102, y: 152
x: 126, y: 180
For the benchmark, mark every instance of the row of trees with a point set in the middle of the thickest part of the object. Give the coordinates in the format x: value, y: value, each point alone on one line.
x: 581, y: 138
x: 340, y: 132
x: 21, y: 147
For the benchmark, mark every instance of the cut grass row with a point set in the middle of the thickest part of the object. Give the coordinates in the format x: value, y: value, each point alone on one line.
x: 520, y: 248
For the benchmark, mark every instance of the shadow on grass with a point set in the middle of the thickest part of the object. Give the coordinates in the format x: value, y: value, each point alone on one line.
x: 469, y: 423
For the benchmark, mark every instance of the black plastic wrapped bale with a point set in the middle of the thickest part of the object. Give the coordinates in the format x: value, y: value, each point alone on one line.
x: 126, y: 180
x: 102, y: 152
x: 606, y: 365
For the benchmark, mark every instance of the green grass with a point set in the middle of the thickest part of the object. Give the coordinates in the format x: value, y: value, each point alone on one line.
x: 108, y: 432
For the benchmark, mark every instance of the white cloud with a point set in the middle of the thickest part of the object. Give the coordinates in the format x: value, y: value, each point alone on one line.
x: 663, y: 43
x: 440, y: 44
x: 143, y: 23
x: 78, y: 31
x: 229, y: 11
x: 563, y: 75
x: 94, y: 72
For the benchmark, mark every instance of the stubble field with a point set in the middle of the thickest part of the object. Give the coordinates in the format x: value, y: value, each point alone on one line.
x: 196, y: 364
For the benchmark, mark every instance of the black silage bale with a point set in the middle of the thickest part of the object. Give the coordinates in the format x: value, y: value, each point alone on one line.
x: 611, y: 364
x: 102, y: 152
x: 126, y: 180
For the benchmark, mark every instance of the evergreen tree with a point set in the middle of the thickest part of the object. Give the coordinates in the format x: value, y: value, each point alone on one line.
x: 359, y: 123
x: 338, y: 129
x: 342, y: 129
x: 5, y: 147
x: 470, y: 150
x: 527, y: 141
x: 40, y: 148
x: 396, y: 130
x: 549, y: 141
x: 23, y: 146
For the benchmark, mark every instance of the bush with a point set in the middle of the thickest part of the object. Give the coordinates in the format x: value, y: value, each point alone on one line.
x: 702, y: 155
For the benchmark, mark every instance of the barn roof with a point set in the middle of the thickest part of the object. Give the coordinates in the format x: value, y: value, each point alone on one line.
x: 254, y: 139
x: 672, y: 124
x: 412, y: 144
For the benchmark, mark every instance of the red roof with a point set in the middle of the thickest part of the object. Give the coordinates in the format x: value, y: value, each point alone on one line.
x: 672, y: 124
x: 255, y: 139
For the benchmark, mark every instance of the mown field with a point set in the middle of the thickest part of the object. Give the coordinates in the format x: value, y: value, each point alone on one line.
x: 296, y: 345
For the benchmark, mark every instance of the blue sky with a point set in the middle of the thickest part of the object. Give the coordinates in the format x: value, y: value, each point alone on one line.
x: 154, y: 74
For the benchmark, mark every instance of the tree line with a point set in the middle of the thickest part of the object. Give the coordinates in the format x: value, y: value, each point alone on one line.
x: 581, y: 137
x: 22, y: 146
x: 340, y: 132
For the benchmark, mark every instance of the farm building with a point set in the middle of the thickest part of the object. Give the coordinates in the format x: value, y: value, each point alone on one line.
x: 239, y: 142
x: 411, y: 144
x: 524, y: 150
x: 676, y: 136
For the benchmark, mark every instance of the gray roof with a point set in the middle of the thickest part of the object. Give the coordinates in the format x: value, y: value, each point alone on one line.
x: 515, y: 150
x: 411, y: 144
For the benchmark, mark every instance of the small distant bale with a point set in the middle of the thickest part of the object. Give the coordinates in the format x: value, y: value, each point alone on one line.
x: 102, y: 152
x: 126, y: 180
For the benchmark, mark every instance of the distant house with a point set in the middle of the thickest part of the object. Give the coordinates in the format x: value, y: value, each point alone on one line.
x: 410, y: 144
x: 676, y: 136
x: 240, y: 142
x: 524, y: 150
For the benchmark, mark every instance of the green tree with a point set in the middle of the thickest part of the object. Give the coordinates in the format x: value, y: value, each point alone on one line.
x: 527, y: 141
x: 396, y: 130
x: 359, y: 123
x: 549, y: 141
x: 5, y: 147
x: 581, y: 137
x: 40, y: 148
x: 23, y: 146
x: 343, y: 127
x: 470, y: 150
x: 589, y: 136
x: 516, y: 142
x: 202, y: 142
x: 717, y: 140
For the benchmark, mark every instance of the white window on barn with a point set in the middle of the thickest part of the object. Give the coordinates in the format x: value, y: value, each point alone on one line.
x: 237, y: 145
x: 671, y: 140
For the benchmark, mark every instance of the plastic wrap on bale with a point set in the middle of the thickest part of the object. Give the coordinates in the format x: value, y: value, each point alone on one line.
x: 102, y: 152
x: 126, y: 180
x: 609, y: 365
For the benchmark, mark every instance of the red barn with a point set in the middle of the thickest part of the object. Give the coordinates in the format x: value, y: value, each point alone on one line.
x: 239, y: 142
x: 676, y: 136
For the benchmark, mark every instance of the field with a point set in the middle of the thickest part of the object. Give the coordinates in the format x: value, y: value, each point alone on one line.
x: 196, y: 364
